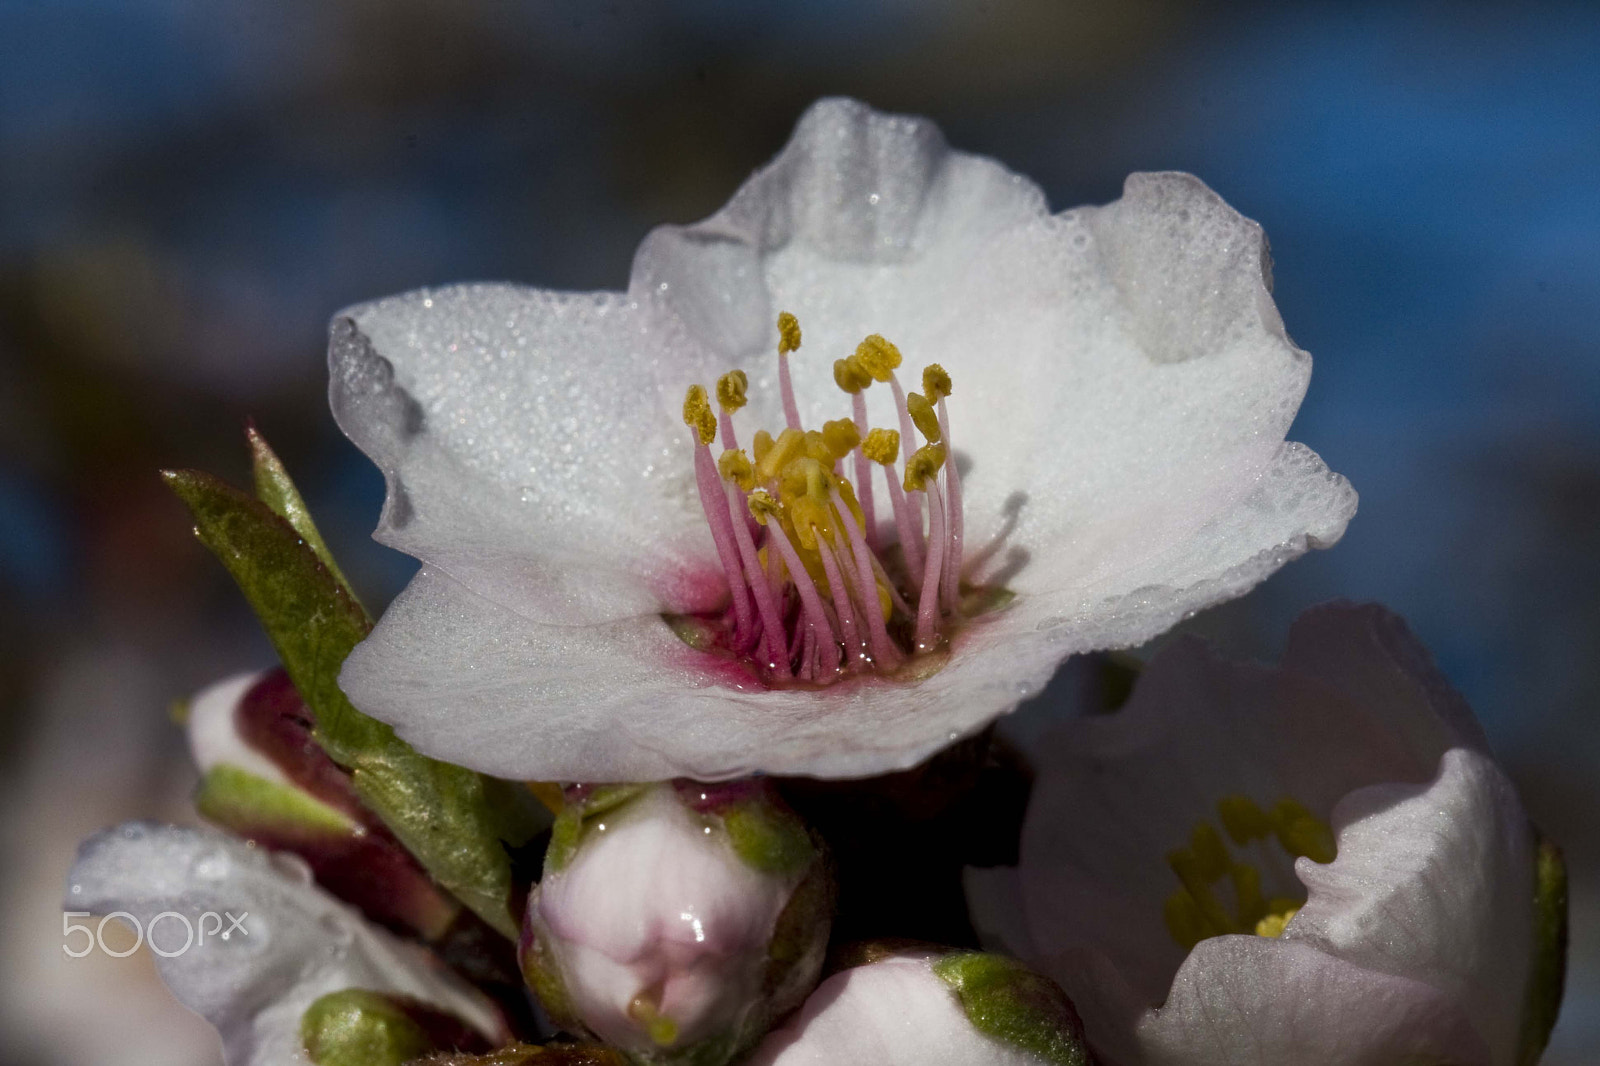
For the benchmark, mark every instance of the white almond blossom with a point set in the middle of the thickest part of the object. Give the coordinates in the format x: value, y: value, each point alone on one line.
x: 293, y: 942
x: 1315, y: 862
x: 1107, y: 455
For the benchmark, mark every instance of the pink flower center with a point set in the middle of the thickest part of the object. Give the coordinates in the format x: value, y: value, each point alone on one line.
x: 817, y: 592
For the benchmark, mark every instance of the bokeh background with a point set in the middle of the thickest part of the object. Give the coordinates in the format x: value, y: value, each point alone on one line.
x: 189, y: 189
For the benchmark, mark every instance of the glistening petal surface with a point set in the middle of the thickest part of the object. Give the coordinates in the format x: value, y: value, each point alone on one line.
x: 299, y: 942
x: 1123, y: 385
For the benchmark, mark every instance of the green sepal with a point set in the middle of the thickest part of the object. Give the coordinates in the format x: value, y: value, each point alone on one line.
x: 1006, y: 1000
x: 355, y: 1027
x: 767, y: 837
x: 236, y: 798
x: 568, y: 831
x: 1548, y: 975
x: 453, y: 820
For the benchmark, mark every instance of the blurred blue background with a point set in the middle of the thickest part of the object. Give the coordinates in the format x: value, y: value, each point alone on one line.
x: 188, y: 190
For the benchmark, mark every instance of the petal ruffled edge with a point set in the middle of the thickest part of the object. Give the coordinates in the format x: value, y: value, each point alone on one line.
x: 1433, y: 883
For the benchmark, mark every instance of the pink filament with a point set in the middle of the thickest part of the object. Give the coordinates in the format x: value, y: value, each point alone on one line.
x: 910, y: 535
x: 858, y: 409
x: 951, y: 590
x: 883, y: 649
x: 913, y: 504
x: 766, y: 603
x: 716, y: 508
x: 841, y: 598
x: 928, y: 607
x: 810, y: 600
x: 791, y: 412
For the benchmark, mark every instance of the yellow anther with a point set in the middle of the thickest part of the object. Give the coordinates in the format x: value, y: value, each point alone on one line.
x: 1301, y: 833
x: 841, y: 436
x: 697, y: 414
x: 850, y: 376
x: 804, y: 490
x: 1248, y: 900
x: 1191, y: 874
x: 805, y: 476
x: 878, y: 357
x: 1274, y: 924
x: 761, y: 445
x: 790, y: 443
x: 922, y: 413
x: 763, y: 506
x: 730, y: 390
x: 935, y: 382
x: 788, y: 333
x: 923, y: 467
x: 1243, y: 820
x: 882, y: 446
x: 1210, y: 854
x: 1185, y: 923
x: 1197, y: 910
x: 735, y: 466
x: 817, y: 447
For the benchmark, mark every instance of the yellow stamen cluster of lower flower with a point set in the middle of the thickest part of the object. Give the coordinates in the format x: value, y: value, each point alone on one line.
x: 1197, y: 911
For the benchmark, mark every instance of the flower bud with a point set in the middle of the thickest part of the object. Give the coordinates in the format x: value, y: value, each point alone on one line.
x: 677, y: 921
x: 266, y: 779
x: 357, y: 1027
x: 934, y: 1009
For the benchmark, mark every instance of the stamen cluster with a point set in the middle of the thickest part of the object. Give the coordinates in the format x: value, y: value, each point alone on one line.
x: 816, y: 592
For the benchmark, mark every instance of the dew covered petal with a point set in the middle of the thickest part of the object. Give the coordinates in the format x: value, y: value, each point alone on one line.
x: 1122, y: 386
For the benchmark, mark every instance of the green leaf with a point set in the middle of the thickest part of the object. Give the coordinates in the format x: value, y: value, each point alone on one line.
x: 452, y: 819
x: 1010, y: 1002
x: 276, y: 489
x: 1549, y: 973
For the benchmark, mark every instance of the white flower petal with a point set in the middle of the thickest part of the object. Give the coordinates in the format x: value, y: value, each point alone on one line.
x: 299, y: 942
x: 628, y: 701
x: 1117, y: 793
x: 214, y: 736
x: 1369, y: 652
x: 1123, y: 385
x: 528, y: 440
x: 1428, y: 900
x: 1435, y: 883
x: 1245, y: 999
x: 891, y: 1013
